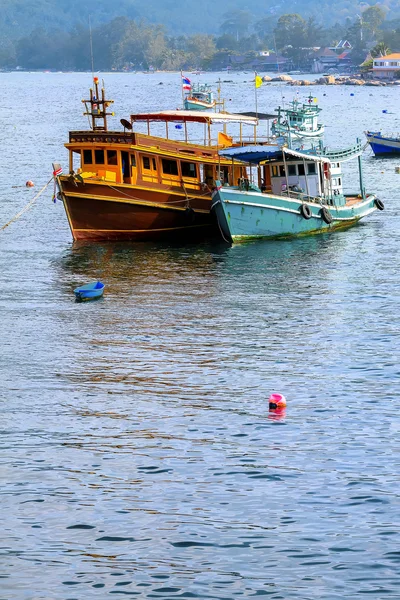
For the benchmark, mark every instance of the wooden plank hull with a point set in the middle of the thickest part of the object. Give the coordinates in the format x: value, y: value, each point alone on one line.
x: 97, y: 211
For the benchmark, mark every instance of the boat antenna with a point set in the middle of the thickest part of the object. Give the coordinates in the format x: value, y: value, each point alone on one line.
x: 91, y: 46
x: 278, y: 71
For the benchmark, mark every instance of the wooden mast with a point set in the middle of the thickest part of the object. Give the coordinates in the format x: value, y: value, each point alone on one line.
x: 98, y: 107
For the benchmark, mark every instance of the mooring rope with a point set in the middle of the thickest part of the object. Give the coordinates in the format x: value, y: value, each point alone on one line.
x: 27, y: 207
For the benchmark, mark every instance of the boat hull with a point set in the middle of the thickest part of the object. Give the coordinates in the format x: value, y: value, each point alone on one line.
x: 198, y: 105
x: 250, y: 215
x: 91, y: 291
x: 382, y: 146
x: 97, y: 211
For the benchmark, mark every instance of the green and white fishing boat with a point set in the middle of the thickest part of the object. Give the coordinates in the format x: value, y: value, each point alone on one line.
x: 200, y: 97
x: 296, y: 193
x: 299, y: 121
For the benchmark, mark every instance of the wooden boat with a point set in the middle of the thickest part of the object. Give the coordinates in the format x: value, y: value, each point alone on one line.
x: 297, y: 193
x: 200, y: 97
x: 383, y: 145
x: 130, y: 185
x: 90, y: 291
x: 299, y: 121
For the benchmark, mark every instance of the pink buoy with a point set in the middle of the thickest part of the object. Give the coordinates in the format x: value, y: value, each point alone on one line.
x: 277, y: 402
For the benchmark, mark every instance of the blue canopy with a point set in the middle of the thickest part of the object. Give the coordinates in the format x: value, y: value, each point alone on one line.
x: 258, y: 153
x: 252, y: 154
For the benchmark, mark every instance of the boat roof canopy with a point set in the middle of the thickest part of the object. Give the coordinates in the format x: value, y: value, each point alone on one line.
x: 194, y: 116
x: 257, y: 154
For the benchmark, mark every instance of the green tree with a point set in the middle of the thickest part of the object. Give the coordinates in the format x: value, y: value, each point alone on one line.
x: 290, y: 31
x: 372, y: 18
x: 380, y: 49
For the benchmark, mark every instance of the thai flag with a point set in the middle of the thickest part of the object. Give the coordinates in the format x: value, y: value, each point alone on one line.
x: 186, y: 83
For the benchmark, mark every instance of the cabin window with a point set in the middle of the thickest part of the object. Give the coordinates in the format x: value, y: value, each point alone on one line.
x: 274, y: 171
x: 87, y: 157
x: 334, y: 182
x: 188, y: 169
x: 340, y: 181
x: 282, y: 171
x: 170, y: 167
x: 300, y: 168
x: 154, y: 164
x: 311, y: 169
x: 146, y: 162
x: 112, y: 157
x: 133, y: 160
x: 99, y: 157
x: 292, y: 170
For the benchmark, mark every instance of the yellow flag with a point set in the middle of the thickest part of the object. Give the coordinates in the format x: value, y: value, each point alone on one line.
x: 315, y: 100
x: 258, y: 81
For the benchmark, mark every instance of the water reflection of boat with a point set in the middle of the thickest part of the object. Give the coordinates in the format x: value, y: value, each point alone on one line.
x: 139, y: 186
x: 299, y: 121
x: 297, y: 193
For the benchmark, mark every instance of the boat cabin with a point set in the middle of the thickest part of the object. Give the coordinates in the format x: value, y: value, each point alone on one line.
x: 136, y: 158
x: 282, y: 171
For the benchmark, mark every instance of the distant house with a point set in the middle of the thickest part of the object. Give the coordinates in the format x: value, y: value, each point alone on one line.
x: 274, y: 62
x: 326, y: 56
x: 344, y: 59
x: 342, y: 45
x: 262, y: 62
x: 323, y: 59
x: 385, y: 67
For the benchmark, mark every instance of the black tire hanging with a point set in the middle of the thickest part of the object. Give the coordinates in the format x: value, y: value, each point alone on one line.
x: 305, y: 211
x: 379, y: 204
x: 326, y: 215
x: 189, y: 214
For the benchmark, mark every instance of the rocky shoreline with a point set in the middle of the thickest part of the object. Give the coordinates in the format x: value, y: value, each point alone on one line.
x: 329, y: 80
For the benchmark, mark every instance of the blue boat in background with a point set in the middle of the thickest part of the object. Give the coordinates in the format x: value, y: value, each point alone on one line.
x: 296, y: 193
x: 383, y: 145
x: 90, y: 291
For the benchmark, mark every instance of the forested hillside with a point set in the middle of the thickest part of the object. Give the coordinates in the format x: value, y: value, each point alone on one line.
x: 19, y: 17
x: 156, y: 35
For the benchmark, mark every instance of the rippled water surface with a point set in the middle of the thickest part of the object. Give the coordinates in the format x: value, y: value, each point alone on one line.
x: 138, y: 455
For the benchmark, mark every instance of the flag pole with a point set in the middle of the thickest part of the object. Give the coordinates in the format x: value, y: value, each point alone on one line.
x: 183, y: 95
x: 255, y: 91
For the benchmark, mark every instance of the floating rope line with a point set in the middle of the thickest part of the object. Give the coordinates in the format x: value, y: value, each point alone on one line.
x: 28, y: 206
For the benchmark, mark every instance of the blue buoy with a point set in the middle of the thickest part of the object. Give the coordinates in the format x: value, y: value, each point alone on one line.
x: 384, y: 111
x: 351, y: 94
x: 178, y: 126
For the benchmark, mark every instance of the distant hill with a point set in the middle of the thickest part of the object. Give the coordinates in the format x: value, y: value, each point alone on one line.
x: 19, y: 17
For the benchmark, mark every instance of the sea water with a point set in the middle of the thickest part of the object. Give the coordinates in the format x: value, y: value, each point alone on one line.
x: 138, y: 455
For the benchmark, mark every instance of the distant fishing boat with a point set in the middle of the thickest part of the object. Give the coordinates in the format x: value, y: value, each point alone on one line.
x: 90, y: 291
x: 199, y: 97
x: 383, y: 145
x: 299, y: 121
x: 297, y: 193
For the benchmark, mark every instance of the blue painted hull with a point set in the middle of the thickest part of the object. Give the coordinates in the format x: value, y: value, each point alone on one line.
x: 90, y: 291
x: 379, y: 149
x: 251, y: 215
x: 382, y: 146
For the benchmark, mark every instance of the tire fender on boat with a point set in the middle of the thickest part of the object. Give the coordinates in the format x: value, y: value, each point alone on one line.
x: 379, y: 204
x: 305, y: 211
x: 190, y: 214
x: 326, y: 215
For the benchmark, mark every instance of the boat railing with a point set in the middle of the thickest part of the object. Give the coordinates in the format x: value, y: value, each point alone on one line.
x: 339, y: 155
x: 378, y: 135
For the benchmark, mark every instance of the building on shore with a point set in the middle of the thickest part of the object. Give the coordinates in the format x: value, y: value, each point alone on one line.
x: 386, y: 67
